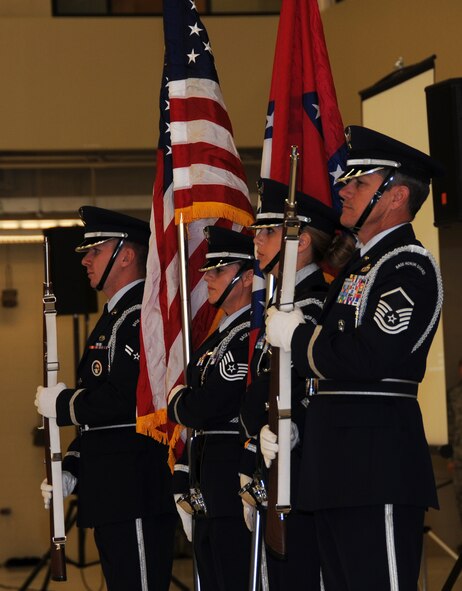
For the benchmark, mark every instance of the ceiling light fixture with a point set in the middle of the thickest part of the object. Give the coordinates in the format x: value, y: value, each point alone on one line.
x: 30, y: 231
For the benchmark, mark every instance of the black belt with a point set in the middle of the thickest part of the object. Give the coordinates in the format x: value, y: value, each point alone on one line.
x: 86, y: 428
x: 393, y: 388
x: 215, y: 432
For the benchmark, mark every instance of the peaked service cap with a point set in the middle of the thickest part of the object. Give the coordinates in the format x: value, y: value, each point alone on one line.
x: 370, y: 151
x: 310, y: 211
x: 101, y: 225
x: 225, y: 247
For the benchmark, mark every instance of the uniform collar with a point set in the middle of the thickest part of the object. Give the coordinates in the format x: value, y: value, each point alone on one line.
x: 228, y: 320
x: 118, y: 295
x: 305, y: 272
x: 377, y: 238
x: 300, y: 276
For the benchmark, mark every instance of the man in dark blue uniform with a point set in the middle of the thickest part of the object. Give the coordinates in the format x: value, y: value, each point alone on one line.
x: 121, y: 478
x: 366, y: 468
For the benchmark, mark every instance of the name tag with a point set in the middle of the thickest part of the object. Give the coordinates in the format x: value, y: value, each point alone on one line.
x: 352, y: 290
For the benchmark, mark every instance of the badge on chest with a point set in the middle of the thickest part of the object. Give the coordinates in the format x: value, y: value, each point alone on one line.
x: 352, y: 290
x: 96, y: 368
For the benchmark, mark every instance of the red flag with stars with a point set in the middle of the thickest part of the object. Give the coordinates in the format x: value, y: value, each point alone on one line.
x: 303, y: 108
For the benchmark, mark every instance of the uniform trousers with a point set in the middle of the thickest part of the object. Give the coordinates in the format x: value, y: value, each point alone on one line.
x: 375, y: 548
x: 301, y: 568
x: 137, y: 554
x: 222, y: 550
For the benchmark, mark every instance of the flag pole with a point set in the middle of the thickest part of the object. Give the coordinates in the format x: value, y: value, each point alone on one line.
x: 184, y: 294
x: 186, y: 323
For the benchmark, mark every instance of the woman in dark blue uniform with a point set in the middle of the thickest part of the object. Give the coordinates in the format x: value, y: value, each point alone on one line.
x: 318, y: 225
x: 217, y: 375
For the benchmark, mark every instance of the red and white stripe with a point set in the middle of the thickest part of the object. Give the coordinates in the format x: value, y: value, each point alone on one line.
x: 207, y: 172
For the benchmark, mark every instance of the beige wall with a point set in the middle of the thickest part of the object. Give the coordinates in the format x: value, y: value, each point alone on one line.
x: 366, y: 37
x: 82, y: 83
x: 24, y: 532
x: 94, y: 83
x: 86, y: 83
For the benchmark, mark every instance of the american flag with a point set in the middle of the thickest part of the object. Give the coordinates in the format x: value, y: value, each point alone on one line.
x: 200, y: 180
x: 303, y: 108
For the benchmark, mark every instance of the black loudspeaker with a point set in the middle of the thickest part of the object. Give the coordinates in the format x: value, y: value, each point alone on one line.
x: 444, y: 115
x: 73, y: 292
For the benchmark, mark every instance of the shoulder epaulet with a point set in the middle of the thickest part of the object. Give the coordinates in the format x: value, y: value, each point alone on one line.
x: 115, y: 328
x: 222, y: 347
x: 372, y: 274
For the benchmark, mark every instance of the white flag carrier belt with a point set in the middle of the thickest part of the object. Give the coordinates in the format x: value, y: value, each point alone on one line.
x: 85, y: 428
x: 387, y: 387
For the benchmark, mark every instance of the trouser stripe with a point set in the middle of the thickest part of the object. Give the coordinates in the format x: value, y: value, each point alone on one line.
x: 391, y: 550
x: 142, y: 554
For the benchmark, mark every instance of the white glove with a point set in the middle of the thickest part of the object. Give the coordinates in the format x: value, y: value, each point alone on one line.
x: 249, y: 515
x: 45, y: 399
x: 47, y: 490
x: 248, y: 510
x: 186, y: 518
x: 294, y: 435
x: 69, y: 482
x: 268, y: 442
x: 280, y: 327
x: 174, y: 391
x: 268, y: 446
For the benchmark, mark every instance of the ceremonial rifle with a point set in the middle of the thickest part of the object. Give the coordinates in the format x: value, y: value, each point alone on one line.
x: 52, y: 442
x: 279, y: 413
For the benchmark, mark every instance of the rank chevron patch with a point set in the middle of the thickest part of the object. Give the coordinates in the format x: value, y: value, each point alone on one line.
x: 394, y: 311
x: 230, y: 370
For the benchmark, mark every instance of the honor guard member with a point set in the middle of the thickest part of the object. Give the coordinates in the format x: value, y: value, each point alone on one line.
x: 318, y: 244
x: 217, y: 375
x: 366, y: 468
x: 121, y: 478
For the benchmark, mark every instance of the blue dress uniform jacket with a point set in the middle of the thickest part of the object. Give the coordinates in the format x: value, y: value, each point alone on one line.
x: 302, y: 563
x: 310, y: 293
x: 121, y: 475
x: 217, y: 374
x: 364, y: 439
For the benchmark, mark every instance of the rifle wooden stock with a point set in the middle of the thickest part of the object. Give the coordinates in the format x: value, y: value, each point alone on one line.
x: 51, y: 431
x: 275, y: 532
x: 280, y: 383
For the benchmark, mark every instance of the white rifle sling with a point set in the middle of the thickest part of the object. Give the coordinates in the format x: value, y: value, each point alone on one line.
x: 284, y: 423
x: 57, y: 475
x: 52, y: 366
x: 286, y: 304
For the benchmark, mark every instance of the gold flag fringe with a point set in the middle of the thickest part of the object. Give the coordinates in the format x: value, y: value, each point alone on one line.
x: 149, y: 425
x: 213, y: 210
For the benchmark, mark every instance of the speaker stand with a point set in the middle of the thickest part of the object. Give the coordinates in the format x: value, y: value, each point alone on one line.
x: 70, y: 520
